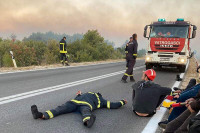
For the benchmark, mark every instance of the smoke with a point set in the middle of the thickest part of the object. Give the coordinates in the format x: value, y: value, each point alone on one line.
x: 116, y: 20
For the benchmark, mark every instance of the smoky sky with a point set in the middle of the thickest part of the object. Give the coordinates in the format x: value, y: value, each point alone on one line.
x: 116, y: 20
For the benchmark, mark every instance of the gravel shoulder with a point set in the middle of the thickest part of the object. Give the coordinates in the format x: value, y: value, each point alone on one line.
x: 12, y: 69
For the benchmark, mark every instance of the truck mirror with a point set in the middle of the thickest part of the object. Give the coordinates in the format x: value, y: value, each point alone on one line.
x: 194, y: 34
x: 145, y: 31
x: 194, y: 27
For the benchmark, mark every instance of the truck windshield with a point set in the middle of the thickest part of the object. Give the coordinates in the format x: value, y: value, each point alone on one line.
x: 169, y: 32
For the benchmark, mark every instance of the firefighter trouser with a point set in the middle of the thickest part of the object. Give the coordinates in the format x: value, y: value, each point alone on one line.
x: 69, y: 107
x: 63, y: 58
x: 85, y: 110
x: 129, y: 71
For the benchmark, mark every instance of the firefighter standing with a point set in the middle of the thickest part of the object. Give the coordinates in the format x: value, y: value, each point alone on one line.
x: 83, y: 103
x: 126, y: 51
x: 63, y: 52
x: 131, y: 55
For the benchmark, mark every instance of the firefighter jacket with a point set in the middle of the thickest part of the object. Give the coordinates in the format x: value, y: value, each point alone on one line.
x: 126, y: 48
x: 63, y: 46
x: 146, y: 95
x: 132, y: 50
x: 95, y: 101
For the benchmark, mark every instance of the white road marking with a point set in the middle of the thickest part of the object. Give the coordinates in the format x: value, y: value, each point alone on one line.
x: 64, y: 67
x: 152, y: 125
x: 20, y: 96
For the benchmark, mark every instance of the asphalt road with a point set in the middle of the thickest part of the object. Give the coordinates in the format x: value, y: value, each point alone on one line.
x: 15, y: 116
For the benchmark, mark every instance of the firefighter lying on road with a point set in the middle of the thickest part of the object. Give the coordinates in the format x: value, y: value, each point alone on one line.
x: 83, y: 103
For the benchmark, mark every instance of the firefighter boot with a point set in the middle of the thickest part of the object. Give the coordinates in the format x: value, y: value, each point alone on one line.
x: 66, y: 63
x: 35, y: 112
x: 132, y: 79
x: 90, y: 122
x: 62, y: 62
x: 123, y: 81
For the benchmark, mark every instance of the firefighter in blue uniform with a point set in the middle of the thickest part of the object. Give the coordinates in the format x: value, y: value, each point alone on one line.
x: 83, y: 103
x: 63, y: 52
x: 131, y: 55
x: 126, y: 51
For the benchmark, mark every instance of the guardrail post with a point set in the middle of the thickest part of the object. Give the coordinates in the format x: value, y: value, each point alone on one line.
x: 13, y: 59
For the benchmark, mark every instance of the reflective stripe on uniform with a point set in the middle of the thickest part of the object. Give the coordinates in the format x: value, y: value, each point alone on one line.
x: 134, y: 54
x: 127, y: 74
x: 63, y: 46
x: 82, y: 102
x: 50, y: 114
x: 108, y: 104
x: 122, y: 102
x: 99, y: 102
x: 86, y: 118
x: 63, y: 51
x: 126, y: 52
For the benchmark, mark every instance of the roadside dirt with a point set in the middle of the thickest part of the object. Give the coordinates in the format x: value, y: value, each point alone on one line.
x: 191, y: 73
x: 11, y: 69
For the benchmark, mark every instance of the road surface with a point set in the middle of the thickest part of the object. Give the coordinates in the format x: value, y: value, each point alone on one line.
x: 50, y: 88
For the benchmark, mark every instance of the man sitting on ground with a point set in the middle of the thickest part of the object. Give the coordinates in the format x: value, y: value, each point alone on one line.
x: 190, y: 92
x: 147, y: 96
x: 180, y: 124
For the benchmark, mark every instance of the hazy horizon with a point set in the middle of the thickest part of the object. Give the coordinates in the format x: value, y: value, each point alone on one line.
x: 115, y: 20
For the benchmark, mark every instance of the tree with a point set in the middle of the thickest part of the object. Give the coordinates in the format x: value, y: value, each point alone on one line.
x: 141, y: 53
x: 93, y: 38
x: 13, y: 37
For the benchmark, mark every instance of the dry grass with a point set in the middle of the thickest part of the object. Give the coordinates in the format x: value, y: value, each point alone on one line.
x: 191, y: 73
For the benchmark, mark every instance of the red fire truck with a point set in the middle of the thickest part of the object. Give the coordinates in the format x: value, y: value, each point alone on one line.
x: 169, y: 43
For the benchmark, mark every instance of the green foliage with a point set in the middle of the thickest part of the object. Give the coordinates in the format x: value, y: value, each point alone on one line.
x: 44, y: 37
x: 7, y: 60
x: 24, y: 56
x: 93, y: 38
x: 141, y: 53
x: 53, y: 48
x: 40, y: 49
x: 50, y: 58
x: 4, y: 47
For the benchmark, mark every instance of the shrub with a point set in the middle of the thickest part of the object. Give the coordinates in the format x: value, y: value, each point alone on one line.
x: 7, y: 60
x: 39, y: 48
x: 24, y: 56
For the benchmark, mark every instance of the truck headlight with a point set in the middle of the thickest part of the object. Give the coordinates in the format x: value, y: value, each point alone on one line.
x: 148, y: 58
x: 182, y: 60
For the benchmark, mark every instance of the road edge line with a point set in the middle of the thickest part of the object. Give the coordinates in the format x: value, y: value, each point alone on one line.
x: 43, y: 69
x: 24, y: 95
x: 152, y: 125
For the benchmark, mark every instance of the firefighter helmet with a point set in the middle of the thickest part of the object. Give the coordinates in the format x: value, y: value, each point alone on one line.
x: 151, y: 74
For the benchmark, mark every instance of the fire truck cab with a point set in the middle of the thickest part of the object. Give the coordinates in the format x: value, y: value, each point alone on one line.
x: 169, y: 43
